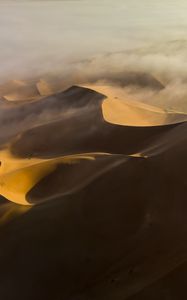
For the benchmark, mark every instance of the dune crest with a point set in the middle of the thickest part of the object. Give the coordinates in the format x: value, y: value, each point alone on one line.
x: 18, y: 176
x: 117, y: 110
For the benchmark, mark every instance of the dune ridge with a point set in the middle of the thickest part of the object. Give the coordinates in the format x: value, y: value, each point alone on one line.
x: 118, y: 110
x: 18, y: 176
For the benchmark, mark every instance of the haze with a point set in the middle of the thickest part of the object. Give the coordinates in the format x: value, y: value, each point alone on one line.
x: 41, y: 36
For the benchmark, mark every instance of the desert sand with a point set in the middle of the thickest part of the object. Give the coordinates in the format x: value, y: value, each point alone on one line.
x: 122, y: 111
x: 93, y: 195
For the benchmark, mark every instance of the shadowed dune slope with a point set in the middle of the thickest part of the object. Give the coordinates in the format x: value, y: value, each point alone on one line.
x: 79, y: 127
x: 21, y: 115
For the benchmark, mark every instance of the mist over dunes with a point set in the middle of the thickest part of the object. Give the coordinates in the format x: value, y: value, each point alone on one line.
x: 93, y: 141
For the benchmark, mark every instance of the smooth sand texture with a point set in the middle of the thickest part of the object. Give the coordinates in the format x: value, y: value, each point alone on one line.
x: 117, y: 110
x: 18, y: 176
x: 103, y: 212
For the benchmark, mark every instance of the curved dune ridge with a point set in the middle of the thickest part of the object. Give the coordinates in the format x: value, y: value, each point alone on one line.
x: 119, y: 110
x: 97, y: 189
x: 18, y: 176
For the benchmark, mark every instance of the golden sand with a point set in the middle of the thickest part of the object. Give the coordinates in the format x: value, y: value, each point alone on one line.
x: 120, y: 111
x: 18, y: 176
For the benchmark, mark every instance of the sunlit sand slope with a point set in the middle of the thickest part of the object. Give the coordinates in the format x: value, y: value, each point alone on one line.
x: 119, y: 110
x: 18, y: 176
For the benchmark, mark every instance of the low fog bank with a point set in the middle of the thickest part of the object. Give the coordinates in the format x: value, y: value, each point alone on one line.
x: 84, y: 41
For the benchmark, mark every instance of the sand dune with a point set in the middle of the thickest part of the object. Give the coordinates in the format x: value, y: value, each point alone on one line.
x: 19, y: 90
x: 99, y: 185
x: 18, y: 176
x: 83, y: 108
x: 117, y: 110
